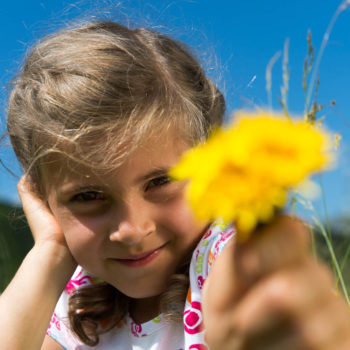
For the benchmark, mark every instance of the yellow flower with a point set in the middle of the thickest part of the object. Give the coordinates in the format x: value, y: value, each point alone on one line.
x: 242, y: 174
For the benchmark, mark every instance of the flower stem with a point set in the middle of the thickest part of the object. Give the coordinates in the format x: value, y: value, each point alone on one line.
x: 334, y: 259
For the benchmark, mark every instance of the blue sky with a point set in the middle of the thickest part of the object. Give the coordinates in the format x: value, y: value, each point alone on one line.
x: 234, y: 39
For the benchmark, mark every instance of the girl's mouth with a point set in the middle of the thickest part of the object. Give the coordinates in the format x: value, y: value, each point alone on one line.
x: 141, y: 259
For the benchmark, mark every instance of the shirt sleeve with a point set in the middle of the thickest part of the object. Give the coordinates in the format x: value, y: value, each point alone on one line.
x: 59, y: 324
x: 205, y: 254
x: 59, y: 327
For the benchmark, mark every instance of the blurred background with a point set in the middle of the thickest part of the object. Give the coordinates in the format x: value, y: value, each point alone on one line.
x: 236, y: 41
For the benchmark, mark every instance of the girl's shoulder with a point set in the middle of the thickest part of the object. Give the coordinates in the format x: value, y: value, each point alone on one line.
x: 211, y: 245
x: 59, y: 327
x: 208, y: 249
x: 206, y: 252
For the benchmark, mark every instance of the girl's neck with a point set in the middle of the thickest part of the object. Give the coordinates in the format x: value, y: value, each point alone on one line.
x: 143, y: 310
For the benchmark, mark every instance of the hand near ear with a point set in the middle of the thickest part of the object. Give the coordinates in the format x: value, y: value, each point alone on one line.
x: 42, y: 223
x: 269, y: 293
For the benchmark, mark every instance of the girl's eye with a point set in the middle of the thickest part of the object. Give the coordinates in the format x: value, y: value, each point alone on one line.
x: 88, y: 196
x: 158, y: 182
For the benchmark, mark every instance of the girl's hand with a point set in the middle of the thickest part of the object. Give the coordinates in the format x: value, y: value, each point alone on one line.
x: 269, y: 293
x: 42, y: 222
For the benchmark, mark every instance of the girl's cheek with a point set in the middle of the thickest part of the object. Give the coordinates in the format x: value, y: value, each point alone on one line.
x: 188, y: 217
x: 82, y: 244
x: 77, y: 234
x: 182, y: 218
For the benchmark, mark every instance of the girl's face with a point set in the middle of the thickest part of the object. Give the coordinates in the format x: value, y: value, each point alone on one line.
x: 132, y: 227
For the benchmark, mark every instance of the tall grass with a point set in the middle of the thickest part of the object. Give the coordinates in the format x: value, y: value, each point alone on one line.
x: 336, y: 258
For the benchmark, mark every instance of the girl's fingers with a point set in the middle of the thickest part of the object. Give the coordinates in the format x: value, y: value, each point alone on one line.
x: 292, y: 292
x: 272, y: 295
x: 28, y: 198
x: 295, y: 305
x: 276, y: 246
x: 289, y: 309
x: 40, y: 219
x: 327, y: 326
x: 280, y: 244
x: 313, y: 331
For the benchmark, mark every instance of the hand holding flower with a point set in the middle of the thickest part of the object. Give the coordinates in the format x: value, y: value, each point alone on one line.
x: 268, y: 293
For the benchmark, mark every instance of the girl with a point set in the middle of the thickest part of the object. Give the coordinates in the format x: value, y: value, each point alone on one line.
x: 97, y: 117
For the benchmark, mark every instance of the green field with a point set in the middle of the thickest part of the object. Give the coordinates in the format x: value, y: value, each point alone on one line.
x: 15, y: 241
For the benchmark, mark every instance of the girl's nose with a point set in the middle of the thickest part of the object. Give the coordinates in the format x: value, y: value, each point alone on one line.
x: 133, y: 225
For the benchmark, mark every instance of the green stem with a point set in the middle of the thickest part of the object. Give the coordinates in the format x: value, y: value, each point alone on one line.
x: 324, y: 202
x: 334, y: 259
x: 345, y: 258
x: 268, y: 77
x: 313, y: 244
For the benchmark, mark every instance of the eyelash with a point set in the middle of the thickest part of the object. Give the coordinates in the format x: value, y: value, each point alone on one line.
x: 158, y: 182
x: 88, y: 196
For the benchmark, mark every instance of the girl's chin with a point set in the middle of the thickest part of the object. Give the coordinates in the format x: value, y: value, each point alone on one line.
x: 140, y: 291
x: 143, y: 294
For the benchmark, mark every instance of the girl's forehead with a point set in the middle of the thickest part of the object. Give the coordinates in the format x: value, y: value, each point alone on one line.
x: 157, y: 152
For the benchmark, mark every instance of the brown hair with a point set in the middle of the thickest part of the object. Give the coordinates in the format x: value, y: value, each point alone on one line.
x: 87, y: 92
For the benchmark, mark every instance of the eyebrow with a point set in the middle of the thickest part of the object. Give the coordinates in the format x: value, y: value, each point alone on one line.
x: 154, y: 173
x: 79, y: 188
x: 72, y: 188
